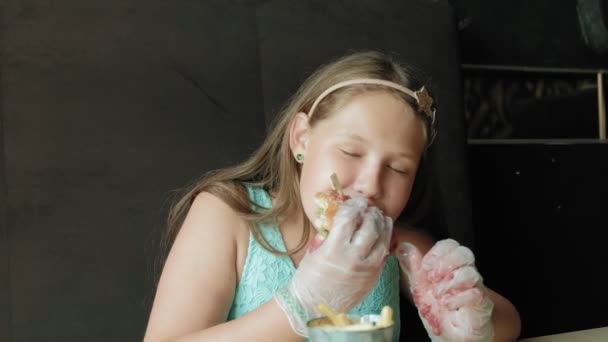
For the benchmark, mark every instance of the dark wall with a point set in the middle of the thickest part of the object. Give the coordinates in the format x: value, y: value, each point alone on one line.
x: 539, y: 206
x: 108, y: 106
x: 540, y: 218
x: 534, y: 32
x: 5, y: 297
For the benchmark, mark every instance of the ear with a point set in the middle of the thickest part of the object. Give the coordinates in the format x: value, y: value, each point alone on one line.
x: 299, y: 131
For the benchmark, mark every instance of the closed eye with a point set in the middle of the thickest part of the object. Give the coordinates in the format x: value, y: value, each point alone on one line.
x: 398, y: 170
x: 350, y: 154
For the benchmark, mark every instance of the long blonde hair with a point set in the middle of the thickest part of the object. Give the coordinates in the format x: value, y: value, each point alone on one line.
x: 272, y: 166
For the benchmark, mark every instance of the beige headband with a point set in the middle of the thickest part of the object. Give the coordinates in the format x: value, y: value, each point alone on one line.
x: 422, y: 97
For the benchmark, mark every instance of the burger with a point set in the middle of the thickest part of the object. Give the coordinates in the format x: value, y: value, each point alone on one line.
x: 327, y: 204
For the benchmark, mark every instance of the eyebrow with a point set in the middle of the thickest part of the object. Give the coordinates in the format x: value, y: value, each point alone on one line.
x: 352, y: 136
x: 361, y: 139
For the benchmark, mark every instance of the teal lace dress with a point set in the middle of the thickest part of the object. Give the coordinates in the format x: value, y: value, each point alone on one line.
x: 265, y: 273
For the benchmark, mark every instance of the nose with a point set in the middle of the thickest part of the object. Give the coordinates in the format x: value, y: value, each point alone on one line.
x: 368, y: 181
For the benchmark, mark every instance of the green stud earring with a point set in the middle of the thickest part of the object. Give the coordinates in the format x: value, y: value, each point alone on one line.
x: 299, y: 157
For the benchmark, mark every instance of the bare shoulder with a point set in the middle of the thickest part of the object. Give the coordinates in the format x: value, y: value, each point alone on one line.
x: 198, y: 280
x: 213, y: 211
x: 209, y: 229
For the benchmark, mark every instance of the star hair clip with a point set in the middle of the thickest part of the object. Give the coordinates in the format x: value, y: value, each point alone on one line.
x: 425, y: 103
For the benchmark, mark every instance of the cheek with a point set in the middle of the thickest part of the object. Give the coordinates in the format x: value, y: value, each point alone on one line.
x: 306, y: 183
x: 347, y: 168
x: 397, y: 196
x: 317, y: 170
x: 315, y: 177
x: 316, y: 173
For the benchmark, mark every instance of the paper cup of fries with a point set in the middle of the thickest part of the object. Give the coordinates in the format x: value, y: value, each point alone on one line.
x: 352, y: 328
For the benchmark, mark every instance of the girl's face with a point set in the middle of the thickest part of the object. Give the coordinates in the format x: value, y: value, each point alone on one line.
x: 373, y: 143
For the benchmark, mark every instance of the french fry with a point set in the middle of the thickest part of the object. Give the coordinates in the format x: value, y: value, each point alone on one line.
x: 335, y: 184
x: 343, y: 319
x: 329, y: 313
x: 386, y: 316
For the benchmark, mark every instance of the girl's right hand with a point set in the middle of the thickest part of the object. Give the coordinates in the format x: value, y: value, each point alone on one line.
x: 344, y: 269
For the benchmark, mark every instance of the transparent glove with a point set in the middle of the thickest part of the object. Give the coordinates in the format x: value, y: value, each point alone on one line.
x: 343, y: 270
x: 448, y: 292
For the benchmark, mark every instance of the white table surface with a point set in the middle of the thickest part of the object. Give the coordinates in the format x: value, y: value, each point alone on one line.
x: 590, y: 335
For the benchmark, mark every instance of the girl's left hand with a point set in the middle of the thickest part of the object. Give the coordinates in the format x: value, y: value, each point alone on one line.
x: 448, y: 292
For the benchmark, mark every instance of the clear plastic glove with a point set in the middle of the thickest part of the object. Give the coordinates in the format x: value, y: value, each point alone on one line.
x: 343, y: 270
x: 448, y: 292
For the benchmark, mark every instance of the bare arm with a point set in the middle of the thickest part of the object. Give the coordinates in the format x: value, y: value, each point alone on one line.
x: 197, y: 285
x: 505, y: 318
x: 266, y: 323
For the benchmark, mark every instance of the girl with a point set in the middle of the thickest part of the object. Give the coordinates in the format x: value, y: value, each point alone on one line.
x: 239, y: 269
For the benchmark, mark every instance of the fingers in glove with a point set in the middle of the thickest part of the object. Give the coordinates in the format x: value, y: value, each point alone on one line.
x: 377, y: 256
x: 346, y: 221
x: 461, y: 279
x: 386, y: 237
x: 387, y: 233
x: 437, y: 252
x: 410, y: 260
x: 468, y: 297
x: 472, y: 323
x: 381, y: 249
x: 456, y: 258
x: 368, y: 234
